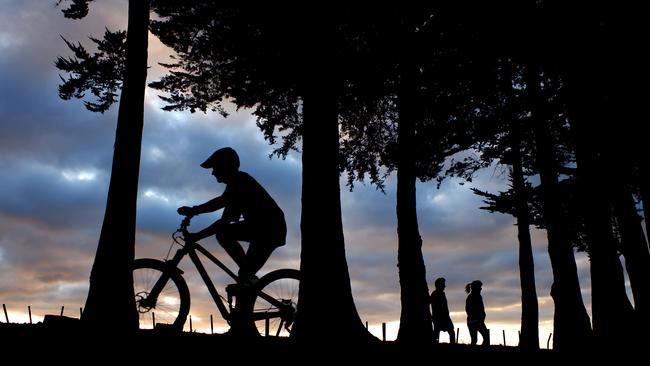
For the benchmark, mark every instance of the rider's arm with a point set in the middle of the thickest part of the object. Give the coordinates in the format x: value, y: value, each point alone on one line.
x: 208, y: 231
x: 212, y: 205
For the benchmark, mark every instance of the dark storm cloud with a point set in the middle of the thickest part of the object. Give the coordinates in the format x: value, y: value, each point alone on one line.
x: 452, y: 212
x: 37, y: 126
x: 51, y: 195
x: 46, y: 145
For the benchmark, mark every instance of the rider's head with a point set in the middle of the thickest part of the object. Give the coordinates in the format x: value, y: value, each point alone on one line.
x: 224, y: 163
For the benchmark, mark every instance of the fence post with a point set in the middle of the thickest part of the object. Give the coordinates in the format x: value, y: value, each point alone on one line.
x: 190, y: 323
x: 5, y: 309
x: 457, y: 335
x: 62, y: 307
x: 504, y: 337
x: 383, y: 331
x: 548, y: 341
x: 211, y: 325
x: 153, y: 319
x: 29, y: 310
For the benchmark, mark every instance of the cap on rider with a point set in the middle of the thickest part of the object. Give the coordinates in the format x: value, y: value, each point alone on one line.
x: 225, y: 158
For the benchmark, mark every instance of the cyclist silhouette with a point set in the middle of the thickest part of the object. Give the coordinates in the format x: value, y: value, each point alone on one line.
x: 250, y: 214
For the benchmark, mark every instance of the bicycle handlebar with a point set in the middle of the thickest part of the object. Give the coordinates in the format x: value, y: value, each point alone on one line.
x: 182, y: 230
x: 186, y: 222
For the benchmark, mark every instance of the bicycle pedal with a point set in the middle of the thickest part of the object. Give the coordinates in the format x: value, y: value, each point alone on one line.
x: 250, y: 281
x: 232, y: 288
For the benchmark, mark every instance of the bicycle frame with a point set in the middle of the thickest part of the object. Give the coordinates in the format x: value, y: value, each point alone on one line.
x: 190, y: 249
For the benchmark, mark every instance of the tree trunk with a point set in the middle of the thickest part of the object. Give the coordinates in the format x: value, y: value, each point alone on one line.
x: 326, y: 310
x: 571, y: 327
x: 611, y: 309
x: 635, y: 250
x: 529, y: 338
x: 111, y: 303
x: 415, y: 318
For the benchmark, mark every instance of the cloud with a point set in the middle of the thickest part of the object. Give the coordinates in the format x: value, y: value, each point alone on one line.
x: 52, y: 195
x: 48, y: 265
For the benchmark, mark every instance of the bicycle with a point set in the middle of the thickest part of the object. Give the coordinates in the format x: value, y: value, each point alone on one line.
x: 160, y: 288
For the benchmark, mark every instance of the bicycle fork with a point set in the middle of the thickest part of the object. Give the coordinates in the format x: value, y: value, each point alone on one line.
x: 170, y: 266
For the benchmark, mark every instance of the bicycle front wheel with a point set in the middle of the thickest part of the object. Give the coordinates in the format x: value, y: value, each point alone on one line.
x: 282, y: 286
x: 170, y: 307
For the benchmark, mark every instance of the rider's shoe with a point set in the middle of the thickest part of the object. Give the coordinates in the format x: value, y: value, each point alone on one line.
x: 242, y: 326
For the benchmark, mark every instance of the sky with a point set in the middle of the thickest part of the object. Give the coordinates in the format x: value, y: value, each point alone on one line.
x: 55, y: 159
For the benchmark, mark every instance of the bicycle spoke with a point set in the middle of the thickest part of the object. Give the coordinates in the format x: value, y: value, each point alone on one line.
x: 171, y: 305
x: 281, y: 285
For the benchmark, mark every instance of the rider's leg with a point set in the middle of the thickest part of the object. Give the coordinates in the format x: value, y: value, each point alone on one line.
x: 241, y: 323
x: 227, y: 235
x: 262, y: 241
x: 258, y: 253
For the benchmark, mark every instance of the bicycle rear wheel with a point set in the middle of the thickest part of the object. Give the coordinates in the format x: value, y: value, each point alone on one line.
x: 172, y: 305
x: 281, y: 285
